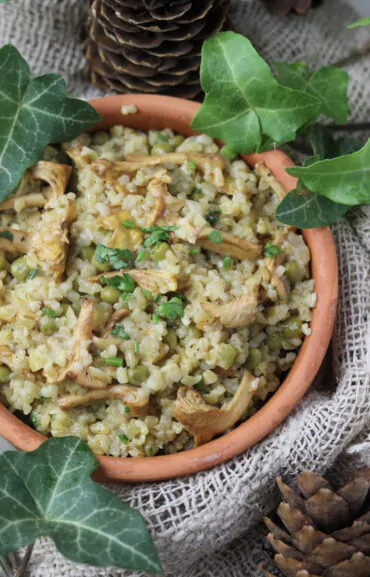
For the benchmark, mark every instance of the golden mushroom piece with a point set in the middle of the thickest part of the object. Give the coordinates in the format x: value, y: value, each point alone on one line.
x: 237, y: 313
x: 203, y: 421
x: 133, y: 397
x: 228, y: 244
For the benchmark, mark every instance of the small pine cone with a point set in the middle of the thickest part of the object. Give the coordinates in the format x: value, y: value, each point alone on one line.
x: 151, y: 46
x: 323, y: 531
x: 283, y: 7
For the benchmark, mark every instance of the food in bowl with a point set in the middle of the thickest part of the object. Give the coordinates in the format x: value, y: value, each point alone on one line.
x: 151, y: 300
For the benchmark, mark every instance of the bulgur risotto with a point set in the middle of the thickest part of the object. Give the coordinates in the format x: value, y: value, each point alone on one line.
x: 149, y: 298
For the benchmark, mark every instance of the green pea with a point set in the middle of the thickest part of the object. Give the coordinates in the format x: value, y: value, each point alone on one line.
x: 254, y: 359
x: 138, y: 374
x: 171, y: 339
x: 4, y: 374
x: 162, y: 148
x: 227, y: 356
x: 47, y: 325
x: 3, y: 261
x: 20, y: 269
x: 87, y: 252
x: 159, y: 252
x: 102, y: 310
x: 194, y: 332
x: 100, y: 137
x: 100, y: 266
x: 294, y: 272
x: 110, y: 295
x: 177, y: 140
x: 274, y: 341
x: 292, y: 328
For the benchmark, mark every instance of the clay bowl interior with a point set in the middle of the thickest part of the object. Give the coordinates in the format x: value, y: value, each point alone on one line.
x: 158, y: 112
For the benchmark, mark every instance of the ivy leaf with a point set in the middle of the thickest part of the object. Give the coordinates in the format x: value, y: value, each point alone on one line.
x: 309, y: 210
x: 257, y: 105
x: 361, y: 22
x: 49, y: 492
x: 325, y: 146
x: 345, y: 180
x: 329, y: 84
x: 294, y: 75
x: 34, y: 113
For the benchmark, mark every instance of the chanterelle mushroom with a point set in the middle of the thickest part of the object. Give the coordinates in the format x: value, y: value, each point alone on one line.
x: 13, y: 240
x: 155, y: 281
x: 122, y: 238
x: 85, y: 375
x: 50, y: 242
x: 133, y: 397
x: 56, y: 175
x: 229, y: 245
x: 203, y: 421
x: 157, y: 188
x: 237, y: 313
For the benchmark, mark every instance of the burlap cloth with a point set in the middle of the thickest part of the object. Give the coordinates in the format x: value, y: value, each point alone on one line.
x: 210, y: 524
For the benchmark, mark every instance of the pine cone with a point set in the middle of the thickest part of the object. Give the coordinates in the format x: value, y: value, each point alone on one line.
x: 283, y: 7
x: 328, y: 531
x: 150, y: 45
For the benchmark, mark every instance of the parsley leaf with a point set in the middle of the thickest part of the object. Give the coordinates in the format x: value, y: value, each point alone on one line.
x: 120, y: 332
x: 157, y: 234
x: 127, y: 223
x: 215, y: 236
x: 33, y: 273
x: 244, y: 102
x: 56, y: 496
x: 212, y: 216
x: 48, y: 312
x: 116, y: 257
x: 172, y: 309
x: 270, y: 250
x: 114, y: 362
x: 7, y: 234
x: 124, y: 283
x: 34, y: 113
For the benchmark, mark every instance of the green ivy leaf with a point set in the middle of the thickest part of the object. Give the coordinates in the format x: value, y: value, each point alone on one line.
x: 294, y: 75
x: 361, y: 22
x: 329, y: 84
x: 309, y: 210
x: 243, y: 100
x: 325, y: 146
x: 34, y: 113
x: 345, y: 180
x: 49, y: 492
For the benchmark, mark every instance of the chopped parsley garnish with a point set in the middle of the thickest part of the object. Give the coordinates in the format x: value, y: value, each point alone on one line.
x: 172, y: 309
x: 140, y: 256
x: 34, y: 420
x: 155, y: 319
x: 192, y: 165
x: 194, y: 250
x: 156, y: 298
x: 136, y: 347
x: 215, y: 236
x: 127, y: 409
x: 116, y: 257
x: 151, y: 451
x: 7, y: 234
x: 270, y: 250
x: 120, y: 332
x: 125, y: 296
x: 124, y: 283
x: 122, y: 437
x: 114, y: 362
x: 226, y: 262
x: 157, y: 234
x: 161, y: 137
x: 227, y: 153
x: 212, y: 216
x: 34, y: 272
x: 128, y: 223
x: 48, y: 312
x: 147, y: 293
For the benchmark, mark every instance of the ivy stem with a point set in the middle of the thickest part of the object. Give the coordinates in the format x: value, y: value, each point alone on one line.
x: 349, y: 127
x: 24, y: 563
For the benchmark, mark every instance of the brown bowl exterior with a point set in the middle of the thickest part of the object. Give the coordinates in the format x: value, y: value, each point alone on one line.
x: 158, y: 112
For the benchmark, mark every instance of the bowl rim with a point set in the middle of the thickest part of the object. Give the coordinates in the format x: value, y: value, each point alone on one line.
x: 157, y: 111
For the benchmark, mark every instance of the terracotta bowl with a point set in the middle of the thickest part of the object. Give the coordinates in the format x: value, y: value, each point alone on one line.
x: 158, y: 112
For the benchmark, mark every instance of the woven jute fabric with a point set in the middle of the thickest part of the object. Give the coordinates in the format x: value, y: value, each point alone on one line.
x: 210, y: 524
